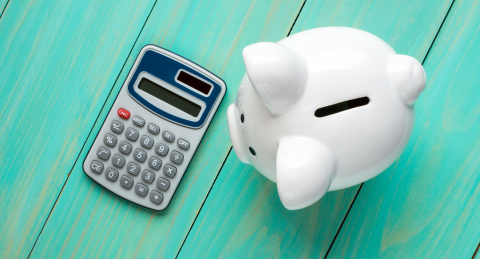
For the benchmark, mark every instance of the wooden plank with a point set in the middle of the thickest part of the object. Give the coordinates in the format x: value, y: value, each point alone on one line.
x: 58, y: 60
x: 242, y: 216
x: 3, y: 5
x: 90, y: 221
x: 427, y: 204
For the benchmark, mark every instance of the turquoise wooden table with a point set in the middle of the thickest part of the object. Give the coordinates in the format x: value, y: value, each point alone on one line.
x: 62, y: 63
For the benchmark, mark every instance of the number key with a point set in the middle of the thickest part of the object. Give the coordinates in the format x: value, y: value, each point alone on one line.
x: 124, y: 147
x: 148, y: 176
x: 154, y: 162
x: 118, y: 161
x: 154, y: 129
x: 139, y: 155
x: 111, y: 174
x: 133, y: 168
x: 161, y: 149
x: 131, y: 134
x: 146, y: 141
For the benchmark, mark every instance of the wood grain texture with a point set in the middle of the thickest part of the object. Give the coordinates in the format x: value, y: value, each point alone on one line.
x: 3, y: 6
x: 242, y: 216
x: 58, y: 60
x: 89, y: 220
x: 427, y: 204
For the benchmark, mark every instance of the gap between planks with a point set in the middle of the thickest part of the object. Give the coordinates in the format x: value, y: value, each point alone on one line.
x: 93, y: 126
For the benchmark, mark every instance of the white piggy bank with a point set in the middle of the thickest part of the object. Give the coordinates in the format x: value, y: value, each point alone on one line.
x: 323, y: 109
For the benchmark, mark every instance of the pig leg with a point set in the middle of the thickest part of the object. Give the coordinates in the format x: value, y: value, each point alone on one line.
x: 305, y: 170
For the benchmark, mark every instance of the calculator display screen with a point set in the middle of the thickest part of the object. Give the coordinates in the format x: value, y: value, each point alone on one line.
x: 169, y: 97
x: 194, y: 82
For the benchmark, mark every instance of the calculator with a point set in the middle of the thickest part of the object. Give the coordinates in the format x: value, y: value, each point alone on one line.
x: 154, y: 127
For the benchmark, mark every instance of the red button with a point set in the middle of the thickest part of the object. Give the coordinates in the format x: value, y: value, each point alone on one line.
x: 124, y: 113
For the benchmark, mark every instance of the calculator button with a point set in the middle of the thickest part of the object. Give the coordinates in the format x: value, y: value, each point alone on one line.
x: 156, y: 197
x: 110, y: 140
x: 96, y: 167
x: 146, y: 141
x: 161, y: 149
x: 133, y: 168
x: 103, y: 153
x: 154, y: 162
x: 139, y: 155
x: 116, y: 126
x: 141, y: 189
x: 154, y: 129
x: 170, y: 170
x: 126, y: 182
x: 163, y: 184
x: 124, y: 147
x: 183, y: 143
x: 118, y: 161
x: 131, y: 134
x: 168, y: 136
x: 176, y: 157
x: 148, y: 176
x: 111, y: 174
x: 123, y: 113
x: 139, y: 121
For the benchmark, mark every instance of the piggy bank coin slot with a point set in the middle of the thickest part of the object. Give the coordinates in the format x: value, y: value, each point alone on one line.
x: 340, y: 107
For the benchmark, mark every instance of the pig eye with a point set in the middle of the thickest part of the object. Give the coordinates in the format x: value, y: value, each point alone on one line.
x: 340, y: 107
x: 252, y: 151
x: 242, y: 118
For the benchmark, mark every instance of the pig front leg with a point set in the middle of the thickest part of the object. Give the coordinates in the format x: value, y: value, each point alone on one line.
x: 305, y: 170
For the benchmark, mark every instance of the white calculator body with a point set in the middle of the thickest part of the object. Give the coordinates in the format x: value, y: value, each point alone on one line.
x: 154, y: 127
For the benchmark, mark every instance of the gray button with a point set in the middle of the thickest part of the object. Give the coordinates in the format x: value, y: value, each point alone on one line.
x: 183, y: 143
x: 146, y: 141
x: 176, y: 157
x: 126, y: 182
x: 110, y: 140
x: 161, y: 149
x: 168, y: 136
x: 139, y: 121
x: 133, y: 168
x: 169, y: 170
x: 116, y: 126
x: 139, y: 155
x: 163, y: 184
x: 131, y: 134
x: 154, y: 162
x: 154, y: 129
x: 124, y: 147
x: 141, y: 189
x: 148, y: 176
x: 118, y: 161
x: 96, y: 167
x: 111, y: 174
x: 103, y: 153
x: 156, y: 197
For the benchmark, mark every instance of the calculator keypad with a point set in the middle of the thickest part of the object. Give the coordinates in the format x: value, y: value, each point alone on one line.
x: 96, y: 167
x: 154, y: 129
x: 155, y: 162
x: 111, y: 174
x: 148, y: 176
x: 161, y: 149
x: 183, y: 143
x: 124, y: 147
x: 163, y: 184
x: 126, y: 182
x: 133, y: 168
x: 156, y: 197
x: 169, y: 170
x: 116, y: 126
x: 139, y: 121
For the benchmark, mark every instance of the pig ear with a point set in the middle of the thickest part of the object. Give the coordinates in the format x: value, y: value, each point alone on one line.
x: 305, y: 170
x: 277, y: 74
x: 408, y: 77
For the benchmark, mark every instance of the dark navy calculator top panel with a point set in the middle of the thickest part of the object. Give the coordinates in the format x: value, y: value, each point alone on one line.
x: 166, y: 69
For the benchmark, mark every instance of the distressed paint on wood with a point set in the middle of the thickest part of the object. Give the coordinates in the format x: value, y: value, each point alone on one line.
x: 3, y: 6
x: 90, y: 221
x: 242, y: 216
x: 427, y: 204
x: 58, y: 60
